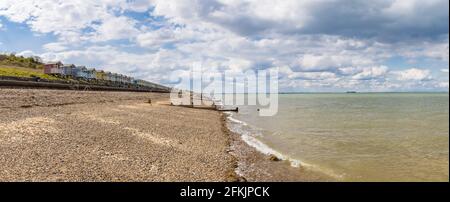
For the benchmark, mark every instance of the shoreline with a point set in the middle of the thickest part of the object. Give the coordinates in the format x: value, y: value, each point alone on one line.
x: 255, y: 166
x: 73, y: 136
x: 59, y: 135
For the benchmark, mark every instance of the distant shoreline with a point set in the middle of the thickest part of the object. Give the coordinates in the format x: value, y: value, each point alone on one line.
x: 340, y: 92
x: 362, y: 92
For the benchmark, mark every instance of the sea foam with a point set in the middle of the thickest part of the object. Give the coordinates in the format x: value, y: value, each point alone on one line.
x: 248, y: 134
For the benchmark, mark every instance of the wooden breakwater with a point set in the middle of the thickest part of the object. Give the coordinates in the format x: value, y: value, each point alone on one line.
x: 204, y: 102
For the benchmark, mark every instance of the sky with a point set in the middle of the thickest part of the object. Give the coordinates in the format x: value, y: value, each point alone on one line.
x: 317, y: 45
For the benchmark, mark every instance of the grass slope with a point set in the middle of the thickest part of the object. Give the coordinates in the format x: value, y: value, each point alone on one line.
x: 24, y: 72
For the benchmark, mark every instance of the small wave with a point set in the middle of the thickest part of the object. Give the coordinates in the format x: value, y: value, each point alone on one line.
x: 236, y: 121
x: 248, y: 136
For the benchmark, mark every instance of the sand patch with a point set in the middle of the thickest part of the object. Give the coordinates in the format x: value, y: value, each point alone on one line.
x: 98, y: 119
x: 26, y: 130
x: 138, y: 107
x: 128, y: 106
x: 155, y: 139
x: 114, y: 157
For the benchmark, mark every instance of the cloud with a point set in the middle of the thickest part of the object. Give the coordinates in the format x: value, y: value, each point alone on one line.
x: 115, y: 28
x: 56, y: 46
x: 26, y: 53
x: 324, y: 62
x: 391, y: 20
x: 158, y: 37
x: 320, y: 44
x: 371, y: 73
x: 149, y: 66
x: 443, y: 85
x: 435, y: 50
x: 413, y: 74
x: 384, y: 20
x: 52, y: 16
x: 70, y: 19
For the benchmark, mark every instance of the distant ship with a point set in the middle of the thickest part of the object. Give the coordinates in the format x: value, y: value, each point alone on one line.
x: 351, y: 92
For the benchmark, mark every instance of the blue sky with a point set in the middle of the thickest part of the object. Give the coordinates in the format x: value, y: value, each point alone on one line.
x: 318, y: 45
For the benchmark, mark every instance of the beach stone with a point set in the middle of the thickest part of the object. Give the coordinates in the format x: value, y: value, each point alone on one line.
x: 97, y: 136
x: 274, y: 158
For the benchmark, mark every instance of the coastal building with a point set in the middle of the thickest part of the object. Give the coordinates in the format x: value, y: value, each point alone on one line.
x: 115, y: 77
x: 128, y: 79
x: 91, y: 74
x: 119, y: 78
x: 80, y: 72
x: 68, y: 70
x: 100, y: 75
x: 53, y: 68
x: 131, y: 79
x: 140, y: 82
x: 108, y: 76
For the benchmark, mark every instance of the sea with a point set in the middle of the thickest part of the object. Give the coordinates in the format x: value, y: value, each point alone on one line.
x: 375, y: 137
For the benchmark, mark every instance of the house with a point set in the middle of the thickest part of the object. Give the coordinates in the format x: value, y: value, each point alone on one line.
x: 80, y: 72
x: 101, y: 75
x: 118, y: 78
x: 127, y: 79
x: 121, y: 78
x: 68, y: 70
x: 137, y: 82
x: 130, y: 80
x: 91, y: 74
x: 54, y: 68
x: 115, y: 77
x: 108, y: 76
x: 124, y: 79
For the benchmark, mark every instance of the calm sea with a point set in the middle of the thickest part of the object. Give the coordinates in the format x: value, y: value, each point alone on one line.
x: 356, y: 137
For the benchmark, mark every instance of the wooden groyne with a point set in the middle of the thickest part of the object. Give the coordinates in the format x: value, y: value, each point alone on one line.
x: 229, y: 109
x: 209, y: 103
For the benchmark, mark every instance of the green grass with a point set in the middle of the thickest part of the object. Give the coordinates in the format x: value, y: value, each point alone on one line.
x: 25, y: 72
x: 20, y: 61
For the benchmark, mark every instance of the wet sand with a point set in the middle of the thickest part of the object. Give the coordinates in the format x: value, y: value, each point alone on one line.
x: 58, y: 135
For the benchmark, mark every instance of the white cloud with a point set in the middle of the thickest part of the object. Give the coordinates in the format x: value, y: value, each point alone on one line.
x: 150, y: 66
x: 70, y: 19
x: 116, y: 28
x: 26, y: 53
x: 413, y: 74
x: 56, y: 46
x: 443, y: 84
x: 438, y: 51
x: 444, y: 70
x: 302, y: 37
x: 156, y: 38
x: 371, y: 73
x: 309, y: 62
x: 386, y: 20
x: 137, y: 5
x: 312, y: 75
